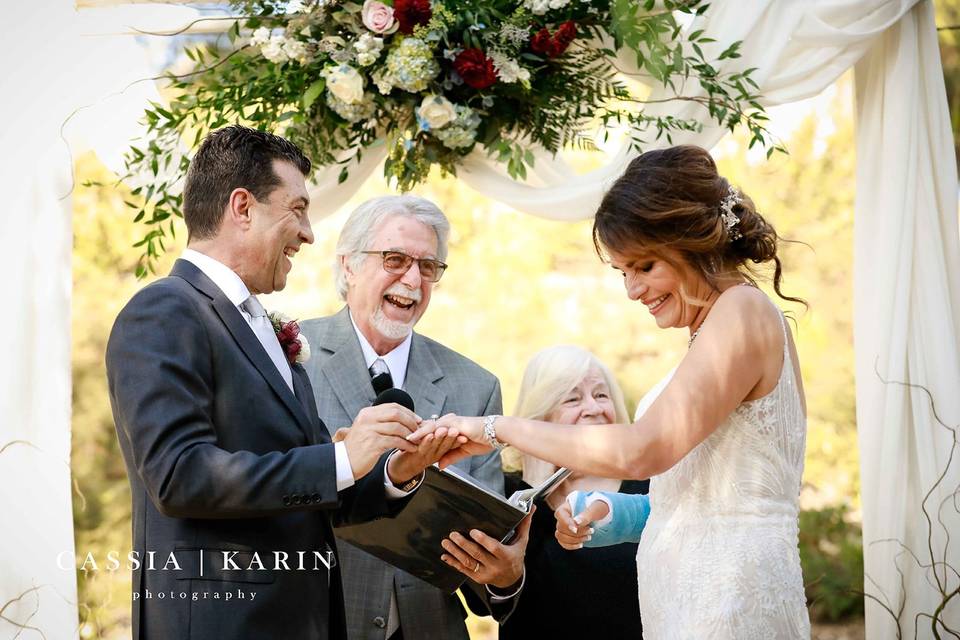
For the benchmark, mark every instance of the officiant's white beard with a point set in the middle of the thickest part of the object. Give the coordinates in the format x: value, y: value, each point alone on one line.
x: 394, y: 329
x: 390, y: 329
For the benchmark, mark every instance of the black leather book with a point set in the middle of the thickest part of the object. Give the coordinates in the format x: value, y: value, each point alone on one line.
x: 446, y: 501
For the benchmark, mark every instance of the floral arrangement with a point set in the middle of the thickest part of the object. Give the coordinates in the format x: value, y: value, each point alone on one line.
x: 434, y: 80
x: 294, y: 344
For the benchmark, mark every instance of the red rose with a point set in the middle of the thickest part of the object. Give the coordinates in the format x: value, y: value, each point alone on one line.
x: 289, y: 338
x: 554, y: 45
x: 540, y: 42
x: 565, y: 35
x: 292, y: 350
x: 475, y: 68
x: 411, y: 13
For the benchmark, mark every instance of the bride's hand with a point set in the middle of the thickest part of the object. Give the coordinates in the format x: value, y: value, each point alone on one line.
x: 471, y: 428
x: 573, y: 532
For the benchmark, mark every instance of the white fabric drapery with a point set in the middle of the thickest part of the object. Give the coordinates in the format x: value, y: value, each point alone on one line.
x: 906, y: 322
x: 58, y: 69
x: 906, y: 292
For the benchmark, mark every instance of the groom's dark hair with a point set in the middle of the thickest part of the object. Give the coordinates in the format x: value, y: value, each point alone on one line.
x: 230, y: 158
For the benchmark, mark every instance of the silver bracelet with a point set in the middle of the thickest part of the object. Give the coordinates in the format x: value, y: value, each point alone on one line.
x: 490, y: 432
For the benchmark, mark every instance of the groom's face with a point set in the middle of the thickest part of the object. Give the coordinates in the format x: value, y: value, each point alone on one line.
x: 278, y: 226
x: 387, y: 305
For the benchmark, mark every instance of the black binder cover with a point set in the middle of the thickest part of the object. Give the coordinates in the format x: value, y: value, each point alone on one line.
x: 444, y: 502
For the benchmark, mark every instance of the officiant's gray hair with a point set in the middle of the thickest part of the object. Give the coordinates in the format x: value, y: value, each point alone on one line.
x: 550, y: 375
x: 358, y: 231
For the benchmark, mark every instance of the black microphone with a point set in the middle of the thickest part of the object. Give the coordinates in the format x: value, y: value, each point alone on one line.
x: 398, y: 396
x: 381, y: 382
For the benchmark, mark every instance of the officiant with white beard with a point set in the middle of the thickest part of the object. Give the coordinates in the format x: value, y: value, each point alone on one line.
x: 389, y: 258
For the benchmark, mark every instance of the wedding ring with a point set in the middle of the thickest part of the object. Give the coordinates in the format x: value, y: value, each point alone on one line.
x: 477, y: 568
x: 434, y: 417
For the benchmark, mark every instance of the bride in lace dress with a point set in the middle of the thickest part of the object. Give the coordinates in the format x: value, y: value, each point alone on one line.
x: 722, y: 438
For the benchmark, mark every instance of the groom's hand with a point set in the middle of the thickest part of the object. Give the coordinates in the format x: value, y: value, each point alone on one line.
x: 471, y: 443
x: 403, y: 466
x: 377, y: 430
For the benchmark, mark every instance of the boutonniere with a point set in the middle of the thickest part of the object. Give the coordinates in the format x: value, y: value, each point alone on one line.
x: 293, y: 343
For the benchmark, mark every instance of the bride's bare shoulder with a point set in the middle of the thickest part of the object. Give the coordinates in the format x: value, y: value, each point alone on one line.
x: 746, y: 313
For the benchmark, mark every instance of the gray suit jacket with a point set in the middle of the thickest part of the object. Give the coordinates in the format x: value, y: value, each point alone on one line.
x: 440, y: 381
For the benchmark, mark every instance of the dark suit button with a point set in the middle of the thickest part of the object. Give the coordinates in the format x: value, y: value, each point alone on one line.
x: 286, y: 501
x: 317, y: 498
x: 380, y: 622
x: 297, y: 499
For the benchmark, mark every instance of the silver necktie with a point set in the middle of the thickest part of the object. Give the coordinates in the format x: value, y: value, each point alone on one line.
x: 263, y: 329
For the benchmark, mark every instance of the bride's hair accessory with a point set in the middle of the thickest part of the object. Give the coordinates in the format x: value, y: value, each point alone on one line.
x: 730, y: 219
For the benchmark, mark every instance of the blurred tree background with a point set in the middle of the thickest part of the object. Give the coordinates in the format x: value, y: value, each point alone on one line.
x: 518, y: 284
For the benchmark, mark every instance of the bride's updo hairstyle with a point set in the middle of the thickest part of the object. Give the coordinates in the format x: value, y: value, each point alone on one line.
x: 673, y: 199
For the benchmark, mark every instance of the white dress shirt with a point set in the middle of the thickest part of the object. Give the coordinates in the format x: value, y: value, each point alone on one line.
x: 396, y: 360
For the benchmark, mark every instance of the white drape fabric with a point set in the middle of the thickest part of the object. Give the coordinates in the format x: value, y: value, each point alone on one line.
x: 58, y: 70
x: 35, y: 502
x: 907, y: 323
x: 907, y: 261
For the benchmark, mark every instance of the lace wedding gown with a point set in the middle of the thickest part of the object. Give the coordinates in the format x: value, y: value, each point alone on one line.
x: 718, y: 557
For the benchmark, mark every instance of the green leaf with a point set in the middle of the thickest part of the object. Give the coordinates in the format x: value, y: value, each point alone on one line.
x: 312, y: 93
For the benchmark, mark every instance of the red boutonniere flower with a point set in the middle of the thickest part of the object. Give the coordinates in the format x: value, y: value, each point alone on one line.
x: 554, y: 45
x: 411, y: 13
x: 295, y: 346
x: 475, y: 68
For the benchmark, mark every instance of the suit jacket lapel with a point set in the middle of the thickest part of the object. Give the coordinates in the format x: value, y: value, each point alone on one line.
x: 301, y: 386
x: 245, y: 338
x: 422, y: 374
x: 345, y: 371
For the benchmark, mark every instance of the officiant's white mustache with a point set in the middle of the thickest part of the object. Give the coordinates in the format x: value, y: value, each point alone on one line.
x: 393, y: 329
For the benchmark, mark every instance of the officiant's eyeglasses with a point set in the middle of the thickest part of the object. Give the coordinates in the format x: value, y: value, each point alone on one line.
x: 398, y: 262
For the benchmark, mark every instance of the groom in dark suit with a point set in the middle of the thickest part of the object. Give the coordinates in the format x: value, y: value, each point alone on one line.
x: 389, y: 256
x: 234, y: 477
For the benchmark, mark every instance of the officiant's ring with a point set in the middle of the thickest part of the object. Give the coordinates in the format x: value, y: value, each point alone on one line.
x: 477, y: 568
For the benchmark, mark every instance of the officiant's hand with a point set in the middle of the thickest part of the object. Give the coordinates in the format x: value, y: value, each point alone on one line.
x: 486, y: 560
x: 572, y: 532
x: 375, y: 431
x: 404, y: 465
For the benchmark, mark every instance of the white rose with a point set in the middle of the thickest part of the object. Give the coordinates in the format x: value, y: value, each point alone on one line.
x: 368, y: 49
x: 260, y: 36
x: 295, y: 50
x: 304, y: 354
x: 558, y: 4
x: 538, y: 7
x: 345, y: 83
x: 273, y: 49
x: 365, y: 59
x: 437, y: 111
x: 369, y: 44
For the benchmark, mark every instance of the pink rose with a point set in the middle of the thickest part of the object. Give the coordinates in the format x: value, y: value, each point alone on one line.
x: 378, y: 17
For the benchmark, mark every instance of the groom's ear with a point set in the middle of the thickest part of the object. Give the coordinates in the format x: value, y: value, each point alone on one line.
x: 239, y: 204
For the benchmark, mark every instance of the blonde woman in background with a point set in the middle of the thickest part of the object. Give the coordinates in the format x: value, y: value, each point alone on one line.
x: 565, y: 594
